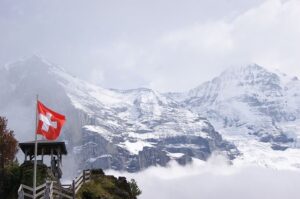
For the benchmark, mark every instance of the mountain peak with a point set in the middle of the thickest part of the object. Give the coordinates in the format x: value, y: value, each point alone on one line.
x: 239, y: 82
x: 251, y: 66
x: 245, y: 70
x: 32, y: 63
x: 250, y: 76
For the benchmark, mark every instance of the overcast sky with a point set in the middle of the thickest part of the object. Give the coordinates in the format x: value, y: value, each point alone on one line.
x: 167, y: 45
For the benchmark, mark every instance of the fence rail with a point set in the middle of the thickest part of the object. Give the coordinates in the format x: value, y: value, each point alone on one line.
x: 51, y: 189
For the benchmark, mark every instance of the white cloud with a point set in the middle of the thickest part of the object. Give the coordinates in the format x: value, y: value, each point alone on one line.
x: 267, y: 35
x: 165, y: 45
x: 216, y: 180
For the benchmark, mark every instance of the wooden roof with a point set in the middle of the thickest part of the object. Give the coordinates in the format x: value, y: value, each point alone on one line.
x: 45, y: 146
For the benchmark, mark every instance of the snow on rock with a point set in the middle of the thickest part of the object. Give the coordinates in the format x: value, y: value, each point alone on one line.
x: 176, y: 155
x: 91, y: 160
x: 256, y: 109
x: 135, y: 147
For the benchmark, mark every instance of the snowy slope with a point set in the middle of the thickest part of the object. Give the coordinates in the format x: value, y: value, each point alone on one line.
x: 124, y: 130
x: 257, y: 109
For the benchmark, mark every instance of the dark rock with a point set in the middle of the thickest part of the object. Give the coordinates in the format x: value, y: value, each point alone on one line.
x: 277, y: 147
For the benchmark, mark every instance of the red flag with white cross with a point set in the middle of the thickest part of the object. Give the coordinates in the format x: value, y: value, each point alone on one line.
x: 50, y: 122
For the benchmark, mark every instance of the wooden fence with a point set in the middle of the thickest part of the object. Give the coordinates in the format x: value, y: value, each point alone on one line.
x: 52, y: 189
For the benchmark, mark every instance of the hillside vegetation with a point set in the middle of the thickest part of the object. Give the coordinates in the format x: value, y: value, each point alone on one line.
x: 104, y: 186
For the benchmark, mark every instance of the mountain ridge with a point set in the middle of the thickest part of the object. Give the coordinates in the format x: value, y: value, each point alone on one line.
x: 255, y: 110
x: 129, y: 130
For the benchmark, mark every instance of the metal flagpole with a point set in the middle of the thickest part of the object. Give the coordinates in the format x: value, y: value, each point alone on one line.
x: 35, y: 150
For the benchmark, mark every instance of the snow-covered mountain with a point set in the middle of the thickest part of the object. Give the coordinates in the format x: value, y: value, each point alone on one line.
x: 257, y: 109
x: 124, y: 130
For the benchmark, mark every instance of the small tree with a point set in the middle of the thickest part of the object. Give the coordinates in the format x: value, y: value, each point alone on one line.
x: 135, y: 190
x: 8, y: 144
x: 8, y: 149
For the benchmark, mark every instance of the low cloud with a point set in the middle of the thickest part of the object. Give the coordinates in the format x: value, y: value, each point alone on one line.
x: 216, y: 180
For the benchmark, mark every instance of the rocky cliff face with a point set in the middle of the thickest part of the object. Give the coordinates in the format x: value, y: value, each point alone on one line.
x: 124, y: 130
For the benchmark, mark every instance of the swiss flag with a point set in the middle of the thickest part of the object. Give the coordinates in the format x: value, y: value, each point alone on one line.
x: 49, y: 122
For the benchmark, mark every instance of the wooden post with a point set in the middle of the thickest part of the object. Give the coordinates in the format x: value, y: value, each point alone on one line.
x: 42, y: 155
x: 83, y: 176
x: 60, y: 157
x: 51, y: 154
x: 20, y: 192
x: 25, y: 155
x: 51, y: 190
x: 73, y: 186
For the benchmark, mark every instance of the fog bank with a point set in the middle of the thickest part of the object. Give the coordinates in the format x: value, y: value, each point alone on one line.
x: 216, y: 180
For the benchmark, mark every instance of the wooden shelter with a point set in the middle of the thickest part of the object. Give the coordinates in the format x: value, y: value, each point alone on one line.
x: 54, y: 150
x: 52, y: 188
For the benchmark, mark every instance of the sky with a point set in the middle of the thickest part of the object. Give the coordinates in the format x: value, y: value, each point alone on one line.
x: 169, y: 45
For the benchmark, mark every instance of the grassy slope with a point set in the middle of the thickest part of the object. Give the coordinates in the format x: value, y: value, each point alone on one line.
x: 108, y: 187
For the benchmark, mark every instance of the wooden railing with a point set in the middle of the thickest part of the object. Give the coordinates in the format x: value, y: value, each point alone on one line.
x: 51, y: 189
x: 27, y: 192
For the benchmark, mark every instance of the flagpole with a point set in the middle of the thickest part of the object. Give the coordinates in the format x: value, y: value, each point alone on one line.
x: 35, y: 151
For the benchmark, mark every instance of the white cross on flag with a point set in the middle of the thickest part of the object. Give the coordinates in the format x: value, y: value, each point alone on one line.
x: 49, y: 122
